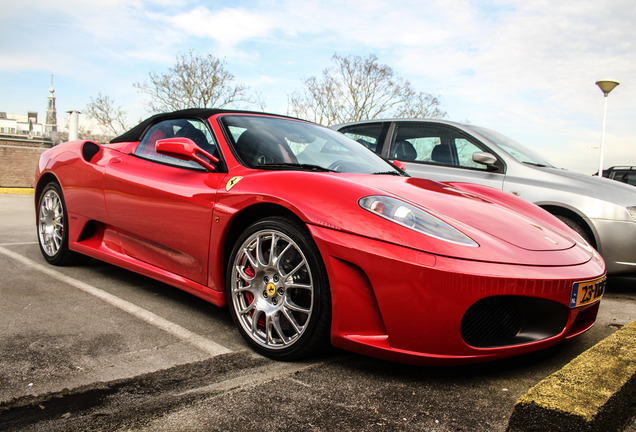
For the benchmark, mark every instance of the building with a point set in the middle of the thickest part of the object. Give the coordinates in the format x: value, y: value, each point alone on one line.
x: 22, y: 140
x: 51, y: 114
x: 21, y: 127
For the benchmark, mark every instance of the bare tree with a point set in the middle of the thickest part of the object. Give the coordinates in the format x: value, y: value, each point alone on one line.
x: 108, y: 117
x: 356, y: 88
x: 195, y: 81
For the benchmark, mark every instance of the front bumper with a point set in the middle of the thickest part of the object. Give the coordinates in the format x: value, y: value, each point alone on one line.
x: 405, y: 305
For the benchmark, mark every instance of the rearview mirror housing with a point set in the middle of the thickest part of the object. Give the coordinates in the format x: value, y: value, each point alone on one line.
x: 484, y: 158
x: 399, y: 164
x: 186, y: 149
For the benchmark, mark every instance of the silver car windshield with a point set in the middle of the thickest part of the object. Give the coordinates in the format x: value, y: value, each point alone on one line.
x: 513, y: 148
x: 286, y: 144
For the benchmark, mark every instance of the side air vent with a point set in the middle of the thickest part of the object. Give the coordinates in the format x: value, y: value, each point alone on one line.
x: 89, y: 150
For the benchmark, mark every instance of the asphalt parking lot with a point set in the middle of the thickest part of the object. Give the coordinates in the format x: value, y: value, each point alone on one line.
x: 96, y: 347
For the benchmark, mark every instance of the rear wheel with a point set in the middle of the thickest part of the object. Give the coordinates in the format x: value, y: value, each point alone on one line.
x: 52, y: 220
x: 278, y: 291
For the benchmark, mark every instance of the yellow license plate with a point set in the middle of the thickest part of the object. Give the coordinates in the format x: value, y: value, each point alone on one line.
x: 587, y: 292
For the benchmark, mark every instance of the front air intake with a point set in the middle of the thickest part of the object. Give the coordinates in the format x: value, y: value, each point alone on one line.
x: 512, y: 320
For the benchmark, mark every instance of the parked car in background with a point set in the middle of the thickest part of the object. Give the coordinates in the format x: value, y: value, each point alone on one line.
x: 601, y: 211
x: 625, y: 174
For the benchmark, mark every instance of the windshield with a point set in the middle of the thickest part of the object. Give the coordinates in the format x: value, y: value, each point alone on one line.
x: 278, y: 143
x: 513, y: 148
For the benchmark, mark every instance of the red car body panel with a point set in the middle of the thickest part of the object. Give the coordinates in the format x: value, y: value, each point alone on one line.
x: 395, y: 294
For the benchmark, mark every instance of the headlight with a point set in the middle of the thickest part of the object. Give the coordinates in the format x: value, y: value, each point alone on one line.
x: 411, y: 217
x: 632, y: 212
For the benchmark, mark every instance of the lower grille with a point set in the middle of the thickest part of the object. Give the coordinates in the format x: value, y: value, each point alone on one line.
x: 512, y: 320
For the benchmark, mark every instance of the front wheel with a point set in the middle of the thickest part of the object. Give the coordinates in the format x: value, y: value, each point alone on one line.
x: 278, y: 292
x: 577, y: 228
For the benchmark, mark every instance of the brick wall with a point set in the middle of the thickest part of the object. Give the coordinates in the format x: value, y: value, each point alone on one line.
x: 17, y: 165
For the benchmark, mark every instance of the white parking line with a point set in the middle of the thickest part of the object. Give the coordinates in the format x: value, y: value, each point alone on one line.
x: 176, y: 330
x: 18, y: 244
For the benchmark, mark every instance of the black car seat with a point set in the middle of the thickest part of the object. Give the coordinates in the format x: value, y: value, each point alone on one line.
x: 258, y: 149
x: 441, y: 154
x: 404, y: 151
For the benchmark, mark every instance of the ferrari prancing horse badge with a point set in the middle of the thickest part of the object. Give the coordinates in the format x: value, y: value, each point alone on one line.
x: 233, y: 181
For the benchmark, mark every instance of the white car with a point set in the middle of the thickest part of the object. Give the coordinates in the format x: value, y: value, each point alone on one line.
x: 602, y: 211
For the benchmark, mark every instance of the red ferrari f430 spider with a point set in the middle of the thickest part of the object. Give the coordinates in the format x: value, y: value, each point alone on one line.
x: 310, y: 238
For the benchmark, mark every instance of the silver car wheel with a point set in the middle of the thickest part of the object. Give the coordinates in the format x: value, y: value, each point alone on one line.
x: 272, y: 290
x: 51, y: 222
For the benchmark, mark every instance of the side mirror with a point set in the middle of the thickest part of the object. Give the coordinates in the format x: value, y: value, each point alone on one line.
x: 485, y: 158
x: 186, y: 149
x: 399, y: 164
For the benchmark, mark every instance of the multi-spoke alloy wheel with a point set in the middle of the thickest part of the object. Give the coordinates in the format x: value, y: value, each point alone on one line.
x: 52, y: 227
x: 278, y: 289
x: 51, y: 222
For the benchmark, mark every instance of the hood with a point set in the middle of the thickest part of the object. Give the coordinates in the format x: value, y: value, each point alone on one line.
x: 474, y: 215
x: 601, y: 188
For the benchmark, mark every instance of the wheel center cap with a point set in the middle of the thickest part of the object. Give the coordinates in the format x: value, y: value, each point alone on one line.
x: 271, y: 289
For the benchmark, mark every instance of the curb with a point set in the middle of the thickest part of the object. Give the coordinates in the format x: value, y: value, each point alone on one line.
x: 16, y: 191
x: 596, y: 391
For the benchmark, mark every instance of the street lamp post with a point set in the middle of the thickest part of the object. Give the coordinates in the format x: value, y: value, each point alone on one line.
x: 606, y: 87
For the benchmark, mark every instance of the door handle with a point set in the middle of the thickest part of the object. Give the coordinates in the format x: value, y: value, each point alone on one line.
x: 115, y: 160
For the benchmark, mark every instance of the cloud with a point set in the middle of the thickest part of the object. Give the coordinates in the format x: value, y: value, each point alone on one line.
x: 228, y: 27
x: 94, y: 32
x: 524, y: 67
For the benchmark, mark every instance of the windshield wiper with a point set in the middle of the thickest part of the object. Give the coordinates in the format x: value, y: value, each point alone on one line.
x: 536, y: 164
x: 294, y: 166
x: 389, y: 173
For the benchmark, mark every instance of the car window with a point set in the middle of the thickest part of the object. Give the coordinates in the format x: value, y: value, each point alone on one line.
x: 513, y: 148
x: 435, y: 144
x: 176, y: 128
x: 371, y: 135
x: 628, y: 177
x: 465, y: 151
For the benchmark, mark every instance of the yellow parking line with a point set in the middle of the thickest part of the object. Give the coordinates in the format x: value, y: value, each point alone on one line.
x: 16, y: 191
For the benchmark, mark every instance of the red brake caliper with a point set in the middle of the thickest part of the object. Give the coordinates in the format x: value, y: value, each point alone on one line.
x: 249, y: 271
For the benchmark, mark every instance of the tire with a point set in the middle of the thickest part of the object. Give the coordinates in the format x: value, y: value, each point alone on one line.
x: 52, y: 227
x: 577, y: 228
x: 278, y: 290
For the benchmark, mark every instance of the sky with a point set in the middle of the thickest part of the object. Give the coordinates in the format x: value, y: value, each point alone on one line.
x: 525, y: 68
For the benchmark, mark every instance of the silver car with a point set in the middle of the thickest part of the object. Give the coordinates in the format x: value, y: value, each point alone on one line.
x: 601, y: 210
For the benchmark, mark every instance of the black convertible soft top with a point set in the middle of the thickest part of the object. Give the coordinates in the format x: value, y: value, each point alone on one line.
x: 136, y: 133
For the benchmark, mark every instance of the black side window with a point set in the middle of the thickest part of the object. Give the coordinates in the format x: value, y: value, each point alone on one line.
x: 371, y: 135
x: 185, y: 128
x: 629, y: 177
